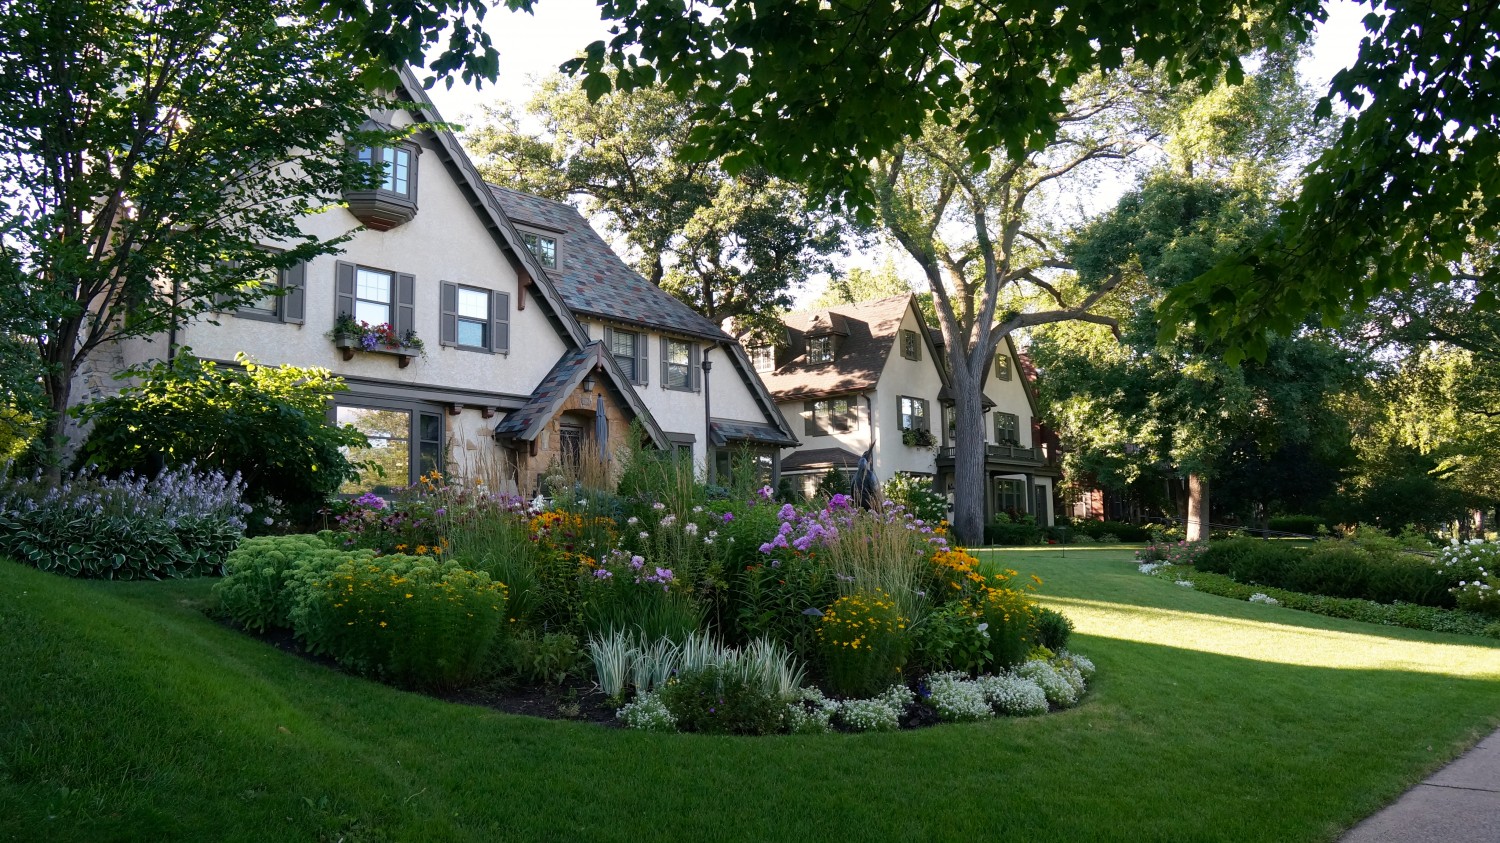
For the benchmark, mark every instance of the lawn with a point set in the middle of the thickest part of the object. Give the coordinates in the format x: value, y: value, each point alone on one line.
x: 130, y: 715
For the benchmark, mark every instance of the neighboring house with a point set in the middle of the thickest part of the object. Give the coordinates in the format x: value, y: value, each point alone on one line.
x: 870, y: 376
x: 522, y: 319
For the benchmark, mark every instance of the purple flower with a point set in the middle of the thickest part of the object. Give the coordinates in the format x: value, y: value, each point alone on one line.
x: 636, y: 562
x: 765, y: 492
x: 664, y: 574
x: 767, y: 547
x: 602, y: 574
x: 787, y: 513
x: 728, y: 516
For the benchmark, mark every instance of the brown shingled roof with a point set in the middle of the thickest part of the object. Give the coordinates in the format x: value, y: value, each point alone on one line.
x: 867, y: 335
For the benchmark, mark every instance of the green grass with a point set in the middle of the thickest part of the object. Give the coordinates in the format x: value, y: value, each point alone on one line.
x: 128, y: 715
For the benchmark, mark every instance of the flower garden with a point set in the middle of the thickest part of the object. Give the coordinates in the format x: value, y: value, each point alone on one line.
x: 725, y: 613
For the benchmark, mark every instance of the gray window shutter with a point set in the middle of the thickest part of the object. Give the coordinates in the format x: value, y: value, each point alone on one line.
x: 926, y: 416
x: 695, y: 375
x: 643, y: 358
x: 448, y: 324
x: 406, y: 304
x: 810, y: 424
x: 664, y: 358
x: 500, y: 316
x: 344, y: 273
x: 294, y: 303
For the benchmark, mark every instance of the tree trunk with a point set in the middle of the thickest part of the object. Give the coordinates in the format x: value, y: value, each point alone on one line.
x: 59, y: 385
x: 1197, y: 501
x: 968, y: 458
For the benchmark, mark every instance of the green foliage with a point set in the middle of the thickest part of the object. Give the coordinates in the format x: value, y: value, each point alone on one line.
x: 256, y: 592
x: 1331, y: 568
x: 1011, y: 616
x: 268, y: 423
x: 1005, y: 530
x: 717, y: 701
x: 1052, y: 629
x: 949, y: 638
x: 413, y: 620
x: 179, y: 524
x: 916, y: 495
x: 833, y: 482
x: 862, y: 644
x: 773, y: 599
x: 1303, y: 525
x: 624, y: 594
x: 541, y: 658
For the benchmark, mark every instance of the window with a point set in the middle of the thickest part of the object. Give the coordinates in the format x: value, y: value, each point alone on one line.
x: 545, y: 248
x: 376, y: 296
x: 1007, y: 428
x: 831, y: 415
x: 475, y: 319
x: 1002, y: 366
x: 401, y: 451
x: 679, y: 361
x: 372, y: 296
x: 274, y: 305
x: 624, y: 345
x: 570, y: 443
x: 911, y: 345
x: 397, y: 164
x: 914, y: 413
x: 1010, y: 495
x: 820, y: 349
x: 763, y: 358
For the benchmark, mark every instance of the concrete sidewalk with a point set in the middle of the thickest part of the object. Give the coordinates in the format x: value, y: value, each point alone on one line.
x: 1458, y: 804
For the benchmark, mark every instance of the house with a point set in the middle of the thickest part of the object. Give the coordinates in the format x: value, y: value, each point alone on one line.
x: 871, y: 377
x: 536, y: 340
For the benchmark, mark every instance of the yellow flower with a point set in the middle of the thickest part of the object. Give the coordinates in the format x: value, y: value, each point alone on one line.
x: 383, y: 623
x: 408, y: 595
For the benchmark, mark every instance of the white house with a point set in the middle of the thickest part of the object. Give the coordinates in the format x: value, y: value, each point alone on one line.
x: 538, y: 341
x: 870, y: 377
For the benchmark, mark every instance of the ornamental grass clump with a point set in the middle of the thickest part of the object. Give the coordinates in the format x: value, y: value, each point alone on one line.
x: 862, y: 643
x: 178, y: 524
x: 416, y: 621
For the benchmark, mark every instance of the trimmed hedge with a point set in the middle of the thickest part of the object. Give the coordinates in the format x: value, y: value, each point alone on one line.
x: 1331, y: 569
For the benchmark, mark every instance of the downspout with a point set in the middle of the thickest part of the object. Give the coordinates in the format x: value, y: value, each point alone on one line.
x: 708, y: 436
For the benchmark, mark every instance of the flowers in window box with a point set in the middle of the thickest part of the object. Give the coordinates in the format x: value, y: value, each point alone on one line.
x: 351, y: 334
x: 918, y: 438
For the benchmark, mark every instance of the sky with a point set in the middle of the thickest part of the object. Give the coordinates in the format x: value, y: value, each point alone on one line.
x: 533, y: 45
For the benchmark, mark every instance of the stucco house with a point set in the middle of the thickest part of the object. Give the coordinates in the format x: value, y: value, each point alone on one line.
x: 870, y: 377
x: 537, y: 341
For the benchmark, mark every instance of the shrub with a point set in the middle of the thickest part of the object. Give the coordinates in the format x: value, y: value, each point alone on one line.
x: 539, y: 658
x: 1005, y: 530
x: 953, y: 637
x: 719, y: 701
x: 781, y: 599
x: 176, y: 525
x: 1009, y: 615
x: 269, y: 424
x: 1172, y: 553
x: 1332, y: 569
x: 863, y: 644
x: 414, y: 620
x: 1118, y: 531
x: 1052, y: 629
x: 916, y: 496
x: 1473, y: 567
x: 255, y: 591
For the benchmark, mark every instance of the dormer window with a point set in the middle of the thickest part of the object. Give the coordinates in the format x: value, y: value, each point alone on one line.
x: 543, y: 247
x: 911, y: 345
x: 763, y: 357
x: 393, y: 200
x: 820, y: 349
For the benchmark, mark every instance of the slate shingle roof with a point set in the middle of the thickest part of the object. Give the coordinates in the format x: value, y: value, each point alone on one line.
x: 871, y: 334
x: 593, y: 280
x: 559, y: 383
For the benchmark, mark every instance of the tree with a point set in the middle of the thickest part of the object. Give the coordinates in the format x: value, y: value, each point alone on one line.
x: 1143, y: 409
x: 1397, y: 194
x: 150, y: 153
x: 729, y: 247
x: 990, y: 259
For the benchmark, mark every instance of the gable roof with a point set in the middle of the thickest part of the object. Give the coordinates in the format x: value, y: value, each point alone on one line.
x: 868, y: 333
x: 593, y: 280
x: 1020, y: 363
x: 819, y: 459
x: 567, y: 373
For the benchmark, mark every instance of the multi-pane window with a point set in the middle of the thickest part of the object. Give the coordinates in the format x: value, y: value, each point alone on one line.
x: 372, y: 296
x: 820, y: 349
x: 911, y: 345
x: 545, y: 248
x: 624, y: 345
x: 1010, y: 495
x: 1002, y: 366
x: 395, y: 162
x: 473, y: 318
x: 1007, y: 428
x: 268, y: 303
x: 570, y: 443
x: 831, y: 415
x: 400, y: 440
x: 913, y: 413
x: 678, y: 368
x: 763, y: 357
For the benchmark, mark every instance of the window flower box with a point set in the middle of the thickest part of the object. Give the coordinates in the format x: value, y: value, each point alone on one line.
x: 918, y: 438
x: 349, y: 336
